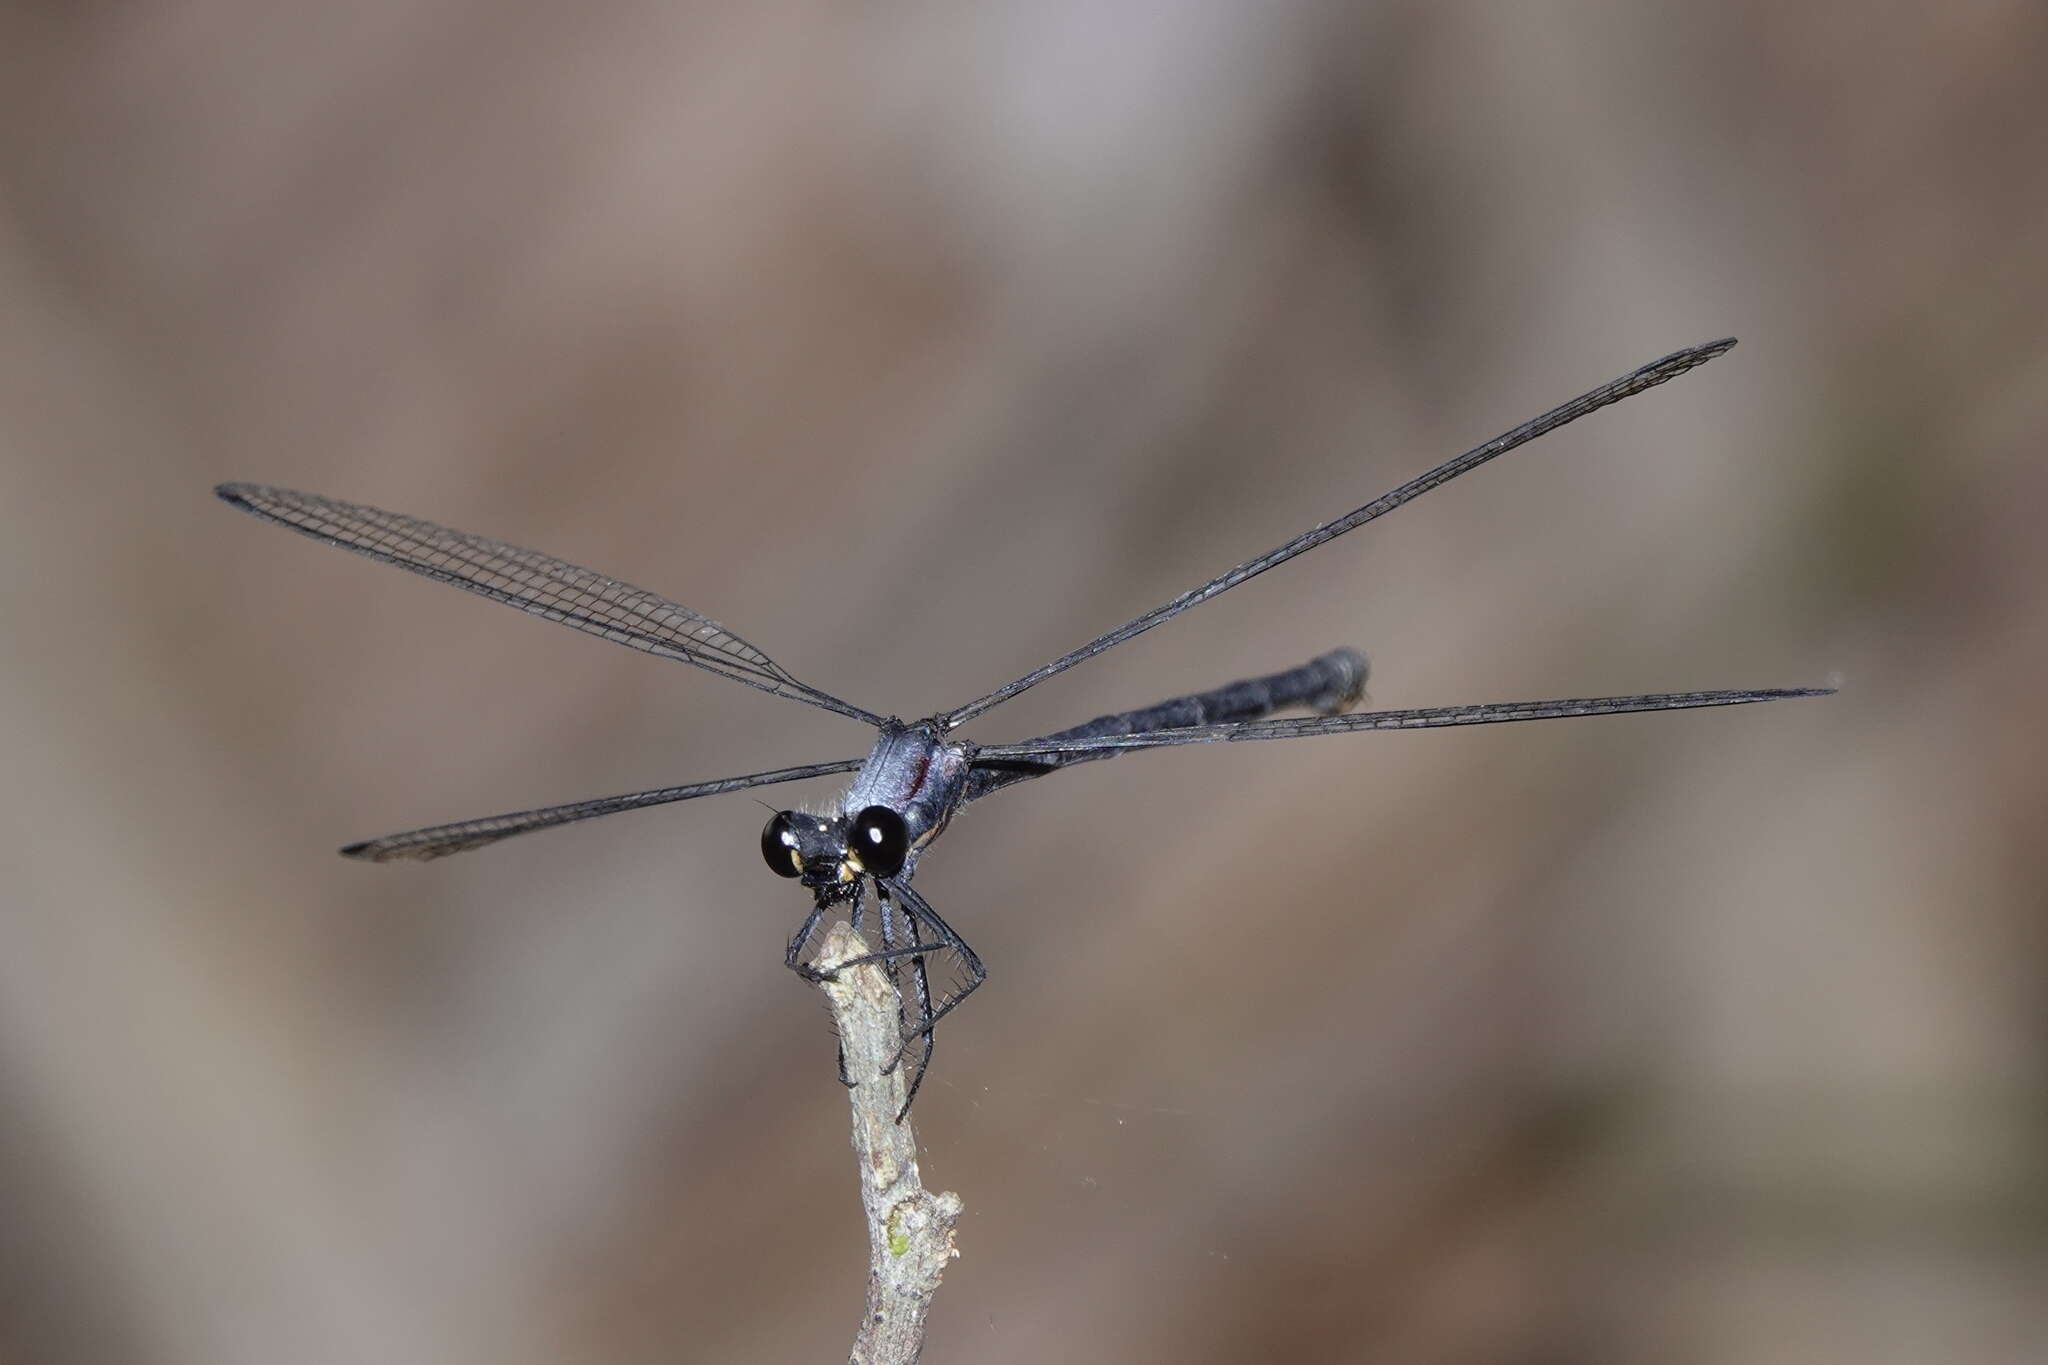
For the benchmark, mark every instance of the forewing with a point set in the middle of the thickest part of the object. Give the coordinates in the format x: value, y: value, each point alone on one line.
x: 1635, y: 382
x: 533, y: 582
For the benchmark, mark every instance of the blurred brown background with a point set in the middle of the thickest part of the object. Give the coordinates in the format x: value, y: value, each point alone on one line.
x: 920, y: 343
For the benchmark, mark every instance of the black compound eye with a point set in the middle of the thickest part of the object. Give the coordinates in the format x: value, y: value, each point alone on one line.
x: 778, y: 846
x: 880, y: 838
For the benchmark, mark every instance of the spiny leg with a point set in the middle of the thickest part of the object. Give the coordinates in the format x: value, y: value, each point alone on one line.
x: 922, y: 978
x: 885, y: 911
x: 920, y: 912
x: 915, y: 950
x: 885, y: 915
x: 950, y: 941
x: 888, y: 955
x: 793, y: 958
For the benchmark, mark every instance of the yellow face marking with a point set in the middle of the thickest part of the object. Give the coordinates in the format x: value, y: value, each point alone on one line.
x: 796, y: 860
x: 853, y: 861
x: 845, y: 871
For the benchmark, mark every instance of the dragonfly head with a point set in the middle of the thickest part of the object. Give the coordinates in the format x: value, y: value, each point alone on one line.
x: 829, y: 852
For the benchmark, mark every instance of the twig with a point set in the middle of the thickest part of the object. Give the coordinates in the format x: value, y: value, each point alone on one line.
x: 910, y: 1229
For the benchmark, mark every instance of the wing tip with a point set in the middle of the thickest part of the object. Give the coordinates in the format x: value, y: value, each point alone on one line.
x: 1828, y: 689
x: 1689, y: 359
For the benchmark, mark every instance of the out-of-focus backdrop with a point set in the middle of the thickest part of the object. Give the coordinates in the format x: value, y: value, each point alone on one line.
x: 920, y: 343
